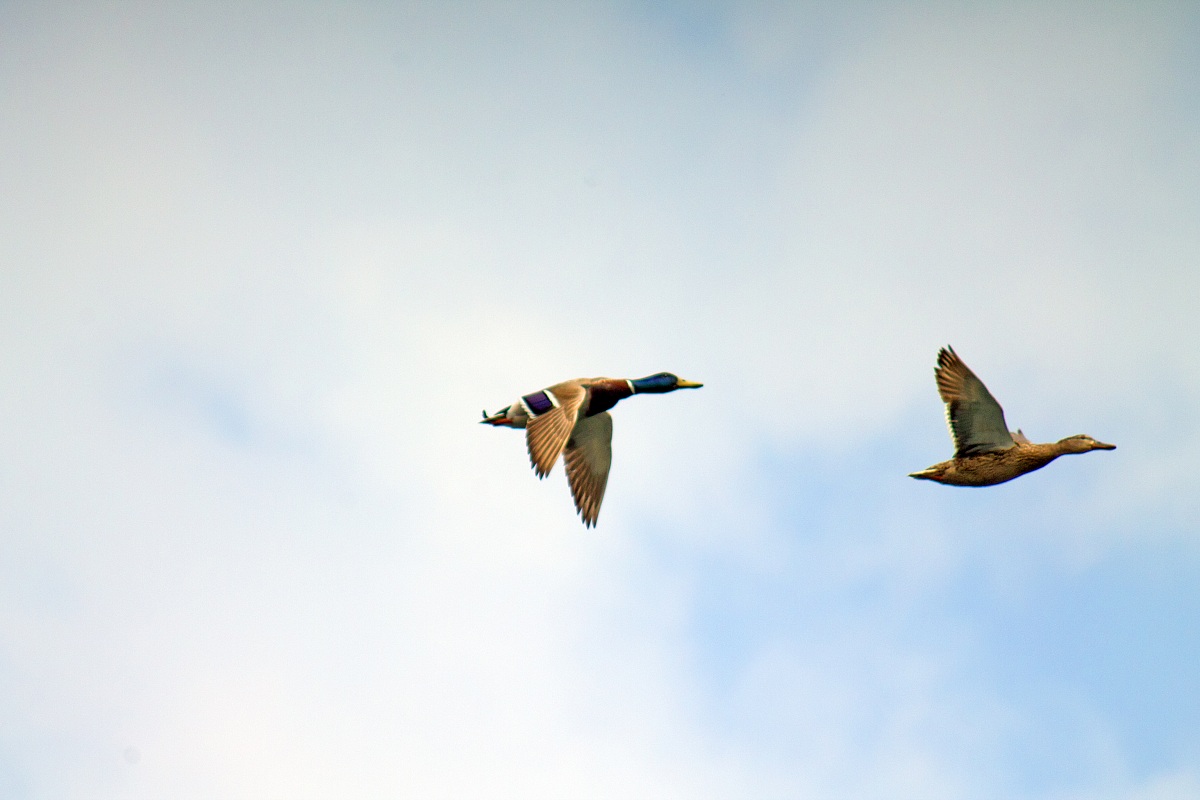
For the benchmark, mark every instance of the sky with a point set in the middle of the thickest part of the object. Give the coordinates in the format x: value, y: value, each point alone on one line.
x: 263, y: 264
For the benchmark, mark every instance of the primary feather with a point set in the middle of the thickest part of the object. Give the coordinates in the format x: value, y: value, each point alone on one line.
x: 588, y: 457
x: 976, y: 419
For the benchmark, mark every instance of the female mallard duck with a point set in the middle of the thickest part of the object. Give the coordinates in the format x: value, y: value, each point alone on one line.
x: 985, y: 453
x: 572, y: 418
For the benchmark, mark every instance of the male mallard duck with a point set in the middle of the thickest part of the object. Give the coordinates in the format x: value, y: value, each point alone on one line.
x: 985, y: 453
x: 572, y: 418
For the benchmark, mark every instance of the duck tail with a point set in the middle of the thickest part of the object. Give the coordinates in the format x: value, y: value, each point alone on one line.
x: 499, y: 418
x: 931, y: 474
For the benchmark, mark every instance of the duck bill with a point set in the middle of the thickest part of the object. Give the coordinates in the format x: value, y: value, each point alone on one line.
x: 689, y: 384
x: 1103, y: 446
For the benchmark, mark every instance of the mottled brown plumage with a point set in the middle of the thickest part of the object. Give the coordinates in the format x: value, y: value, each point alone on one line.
x: 985, y: 452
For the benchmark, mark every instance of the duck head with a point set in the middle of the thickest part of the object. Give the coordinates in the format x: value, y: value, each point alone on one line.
x: 1083, y: 444
x: 662, y: 382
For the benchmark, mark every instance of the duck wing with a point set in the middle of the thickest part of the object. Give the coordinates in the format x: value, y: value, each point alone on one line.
x: 588, y: 457
x: 976, y: 420
x: 552, y: 418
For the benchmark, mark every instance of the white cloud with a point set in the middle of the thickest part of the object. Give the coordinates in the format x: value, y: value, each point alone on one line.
x: 264, y: 267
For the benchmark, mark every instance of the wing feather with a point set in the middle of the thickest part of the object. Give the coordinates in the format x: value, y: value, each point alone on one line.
x: 546, y: 434
x: 976, y: 419
x: 588, y: 456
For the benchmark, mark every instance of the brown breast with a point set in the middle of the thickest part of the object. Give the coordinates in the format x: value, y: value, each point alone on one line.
x: 604, y: 393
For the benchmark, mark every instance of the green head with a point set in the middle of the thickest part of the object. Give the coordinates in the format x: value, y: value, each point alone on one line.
x: 662, y: 382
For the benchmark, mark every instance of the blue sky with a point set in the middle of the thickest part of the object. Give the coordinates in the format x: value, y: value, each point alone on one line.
x: 264, y: 264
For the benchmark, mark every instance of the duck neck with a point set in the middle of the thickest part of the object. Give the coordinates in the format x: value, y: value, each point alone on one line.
x: 1042, y: 454
x: 605, y: 394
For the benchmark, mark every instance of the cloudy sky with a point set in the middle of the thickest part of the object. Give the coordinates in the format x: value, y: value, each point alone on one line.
x: 261, y: 266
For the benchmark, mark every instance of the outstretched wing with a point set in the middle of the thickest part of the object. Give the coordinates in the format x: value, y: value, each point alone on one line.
x: 552, y: 413
x: 589, y: 456
x: 976, y: 419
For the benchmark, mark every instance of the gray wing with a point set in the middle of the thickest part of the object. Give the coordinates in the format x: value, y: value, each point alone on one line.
x: 588, y: 457
x: 546, y: 434
x: 976, y: 419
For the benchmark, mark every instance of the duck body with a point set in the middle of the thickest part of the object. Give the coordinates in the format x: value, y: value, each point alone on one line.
x: 571, y: 419
x: 989, y: 469
x: 600, y: 394
x: 986, y: 452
